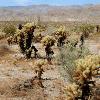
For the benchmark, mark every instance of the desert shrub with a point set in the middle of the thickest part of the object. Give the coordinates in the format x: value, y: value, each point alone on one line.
x: 2, y: 35
x: 86, y: 29
x: 9, y: 30
x: 67, y: 57
x: 73, y: 40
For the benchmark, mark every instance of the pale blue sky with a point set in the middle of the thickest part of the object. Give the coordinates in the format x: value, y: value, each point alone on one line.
x: 50, y: 2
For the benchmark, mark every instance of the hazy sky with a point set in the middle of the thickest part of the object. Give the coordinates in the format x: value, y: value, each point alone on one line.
x: 50, y: 2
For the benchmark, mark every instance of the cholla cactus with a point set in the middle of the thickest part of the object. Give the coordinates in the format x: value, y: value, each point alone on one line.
x: 48, y: 40
x: 25, y: 36
x: 38, y: 37
x: 39, y: 67
x: 29, y: 29
x: 13, y: 39
x: 39, y: 70
x: 97, y: 28
x: 41, y: 28
x: 61, y: 35
x: 21, y: 42
x: 9, y: 40
x: 29, y: 25
x: 73, y: 91
x: 86, y: 67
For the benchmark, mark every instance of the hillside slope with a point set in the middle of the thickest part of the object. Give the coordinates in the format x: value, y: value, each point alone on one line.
x: 89, y: 13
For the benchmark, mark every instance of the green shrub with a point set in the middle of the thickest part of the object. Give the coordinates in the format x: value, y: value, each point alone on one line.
x: 9, y: 30
x: 67, y: 57
x: 2, y: 35
x: 86, y: 29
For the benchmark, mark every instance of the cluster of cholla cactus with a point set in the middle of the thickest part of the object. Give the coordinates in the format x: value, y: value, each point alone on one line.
x: 86, y: 69
x: 25, y: 36
x: 48, y: 42
x: 61, y: 35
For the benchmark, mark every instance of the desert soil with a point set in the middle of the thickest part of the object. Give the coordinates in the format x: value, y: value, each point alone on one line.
x: 15, y: 70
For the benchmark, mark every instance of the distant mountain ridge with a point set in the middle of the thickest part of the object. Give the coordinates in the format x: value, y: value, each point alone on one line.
x: 90, y: 13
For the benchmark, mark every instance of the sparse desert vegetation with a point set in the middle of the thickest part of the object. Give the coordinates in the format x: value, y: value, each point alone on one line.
x: 49, y: 57
x: 59, y: 66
